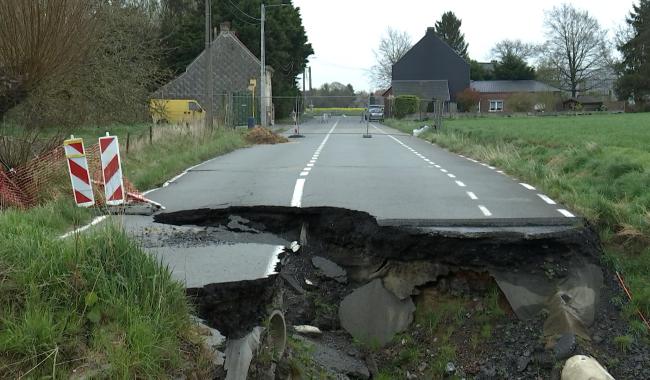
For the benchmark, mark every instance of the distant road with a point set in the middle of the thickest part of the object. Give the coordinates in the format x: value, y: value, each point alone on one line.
x: 394, y: 177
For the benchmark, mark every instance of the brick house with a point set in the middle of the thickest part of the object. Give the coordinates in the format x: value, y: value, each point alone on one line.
x: 517, y: 96
x: 234, y: 67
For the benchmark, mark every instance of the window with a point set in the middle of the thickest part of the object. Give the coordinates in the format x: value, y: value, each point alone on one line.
x: 496, y: 105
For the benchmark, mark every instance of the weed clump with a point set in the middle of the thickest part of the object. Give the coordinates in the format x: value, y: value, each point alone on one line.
x: 260, y: 135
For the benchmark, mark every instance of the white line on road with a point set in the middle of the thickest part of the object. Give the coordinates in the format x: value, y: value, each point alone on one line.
x: 95, y: 221
x: 444, y: 170
x: 438, y: 166
x: 485, y: 210
x: 546, y: 199
x: 459, y: 183
x: 566, y: 213
x: 451, y: 175
x: 296, y: 199
x: 527, y: 186
x: 472, y: 195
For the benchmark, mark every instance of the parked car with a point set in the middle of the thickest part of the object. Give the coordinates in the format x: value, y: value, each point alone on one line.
x: 375, y: 113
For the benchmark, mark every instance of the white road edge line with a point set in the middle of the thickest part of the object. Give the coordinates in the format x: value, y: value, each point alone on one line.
x: 485, y: 210
x: 472, y: 196
x: 527, y: 186
x: 296, y: 199
x: 546, y: 199
x: 95, y: 221
x: 566, y: 213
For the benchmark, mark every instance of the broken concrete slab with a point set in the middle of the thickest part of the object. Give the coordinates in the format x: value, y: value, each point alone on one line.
x: 374, y: 315
x: 581, y: 367
x: 335, y: 361
x: 330, y: 269
x: 403, y: 277
x: 239, y: 354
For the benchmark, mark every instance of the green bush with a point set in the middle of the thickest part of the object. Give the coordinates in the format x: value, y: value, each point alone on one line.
x: 406, y: 105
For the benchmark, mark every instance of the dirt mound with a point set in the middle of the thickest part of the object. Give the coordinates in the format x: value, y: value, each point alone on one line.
x: 259, y: 135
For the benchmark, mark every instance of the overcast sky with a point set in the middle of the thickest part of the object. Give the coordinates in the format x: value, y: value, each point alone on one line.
x: 344, y: 33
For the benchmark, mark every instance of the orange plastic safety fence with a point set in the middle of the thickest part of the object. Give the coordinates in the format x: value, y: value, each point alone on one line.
x: 34, y: 182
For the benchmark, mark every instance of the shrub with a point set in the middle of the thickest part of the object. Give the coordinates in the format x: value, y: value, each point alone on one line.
x: 468, y: 100
x: 521, y: 102
x: 406, y: 105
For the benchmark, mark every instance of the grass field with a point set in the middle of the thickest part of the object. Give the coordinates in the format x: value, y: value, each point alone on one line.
x: 97, y: 301
x: 597, y: 165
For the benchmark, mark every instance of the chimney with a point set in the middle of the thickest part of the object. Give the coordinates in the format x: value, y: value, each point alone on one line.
x: 225, y: 27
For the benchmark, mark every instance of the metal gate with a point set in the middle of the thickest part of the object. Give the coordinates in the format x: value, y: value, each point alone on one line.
x: 245, y: 105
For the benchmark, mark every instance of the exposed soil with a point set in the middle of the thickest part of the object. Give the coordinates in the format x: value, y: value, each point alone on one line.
x: 260, y: 135
x: 479, y: 337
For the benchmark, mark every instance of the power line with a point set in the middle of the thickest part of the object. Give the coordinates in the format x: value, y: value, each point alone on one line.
x: 242, y: 12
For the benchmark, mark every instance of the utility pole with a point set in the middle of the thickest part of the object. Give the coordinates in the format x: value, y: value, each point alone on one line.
x: 263, y: 109
x: 304, y: 93
x: 209, y: 90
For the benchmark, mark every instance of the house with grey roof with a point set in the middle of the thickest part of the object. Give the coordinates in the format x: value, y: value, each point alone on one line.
x: 517, y: 96
x: 235, y: 70
x: 430, y: 70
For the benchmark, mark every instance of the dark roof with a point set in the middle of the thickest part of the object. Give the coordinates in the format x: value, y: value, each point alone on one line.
x: 424, y: 89
x: 511, y: 86
x: 585, y: 100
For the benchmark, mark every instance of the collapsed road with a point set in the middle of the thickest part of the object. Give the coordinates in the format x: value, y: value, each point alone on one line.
x: 337, y: 244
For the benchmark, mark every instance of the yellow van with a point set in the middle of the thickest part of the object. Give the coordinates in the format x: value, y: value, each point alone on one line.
x: 175, y: 111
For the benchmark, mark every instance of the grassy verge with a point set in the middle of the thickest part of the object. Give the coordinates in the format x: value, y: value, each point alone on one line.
x: 597, y: 165
x: 98, y: 302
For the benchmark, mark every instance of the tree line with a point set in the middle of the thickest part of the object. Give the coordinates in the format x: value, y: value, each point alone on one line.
x: 576, y: 55
x: 77, y: 62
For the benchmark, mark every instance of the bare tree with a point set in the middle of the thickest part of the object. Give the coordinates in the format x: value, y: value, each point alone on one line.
x: 393, y: 46
x: 38, y: 40
x: 576, y: 48
x: 516, y: 48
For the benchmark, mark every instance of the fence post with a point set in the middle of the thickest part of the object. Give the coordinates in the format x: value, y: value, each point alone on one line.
x: 128, y: 141
x: 150, y: 134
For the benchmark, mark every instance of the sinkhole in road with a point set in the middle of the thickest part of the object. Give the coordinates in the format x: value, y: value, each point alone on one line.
x: 368, y: 278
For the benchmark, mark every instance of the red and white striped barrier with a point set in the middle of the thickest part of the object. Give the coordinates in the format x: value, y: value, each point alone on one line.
x: 112, y: 170
x: 79, y: 175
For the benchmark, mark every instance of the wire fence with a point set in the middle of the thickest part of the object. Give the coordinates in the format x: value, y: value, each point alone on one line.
x: 46, y: 177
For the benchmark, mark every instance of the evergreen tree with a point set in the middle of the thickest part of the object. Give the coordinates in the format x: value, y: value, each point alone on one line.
x: 511, y: 67
x: 478, y: 72
x: 635, y: 81
x: 448, y: 29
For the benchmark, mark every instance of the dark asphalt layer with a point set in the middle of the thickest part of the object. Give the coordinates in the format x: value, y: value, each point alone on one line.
x: 392, y: 176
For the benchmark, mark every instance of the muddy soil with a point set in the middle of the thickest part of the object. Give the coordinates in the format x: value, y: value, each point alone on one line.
x: 484, y: 340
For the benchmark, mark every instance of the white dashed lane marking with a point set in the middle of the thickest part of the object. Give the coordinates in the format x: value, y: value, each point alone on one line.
x: 296, y: 198
x: 471, y: 195
x: 527, y: 186
x: 566, y: 213
x: 485, y: 210
x: 461, y: 184
x: 546, y: 199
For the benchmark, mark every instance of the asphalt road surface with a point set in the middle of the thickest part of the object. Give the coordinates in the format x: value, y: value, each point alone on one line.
x: 399, y: 179
x: 392, y: 176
